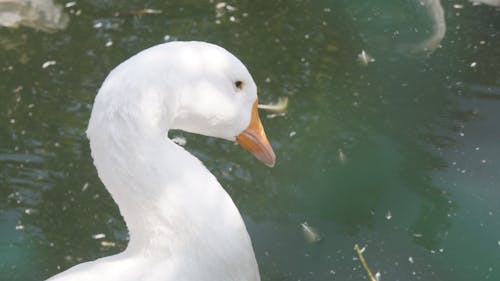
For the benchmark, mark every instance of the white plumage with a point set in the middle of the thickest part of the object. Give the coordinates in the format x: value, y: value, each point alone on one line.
x: 182, y: 224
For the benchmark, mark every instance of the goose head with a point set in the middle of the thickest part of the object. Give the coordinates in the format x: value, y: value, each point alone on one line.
x: 219, y: 99
x: 191, y: 86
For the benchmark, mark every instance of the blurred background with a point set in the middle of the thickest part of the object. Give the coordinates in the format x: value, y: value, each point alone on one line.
x: 390, y: 141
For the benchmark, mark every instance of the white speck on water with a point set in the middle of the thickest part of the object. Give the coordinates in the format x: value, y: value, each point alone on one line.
x: 230, y: 8
x: 410, y: 259
x: 109, y: 43
x: 220, y: 5
x: 332, y: 272
x: 306, y: 36
x: 341, y: 156
x: 418, y: 235
x: 99, y: 236
x: 441, y: 250
x: 377, y: 276
x: 268, y: 80
x: 458, y: 6
x: 232, y: 19
x: 31, y: 105
x: 274, y: 115
x: 388, y: 216
x: 12, y: 121
x: 70, y: 4
x: 483, y: 161
x: 461, y: 134
x: 179, y: 140
x: 498, y: 242
x: 477, y: 148
x: 166, y: 37
x: 98, y: 25
x: 29, y: 211
x: 473, y: 64
x: 327, y: 10
x: 85, y: 186
x: 453, y: 163
x: 19, y: 227
x: 48, y: 63
x: 482, y: 42
x: 292, y: 133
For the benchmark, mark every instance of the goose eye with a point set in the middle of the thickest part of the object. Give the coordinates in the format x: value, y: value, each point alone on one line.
x: 238, y: 84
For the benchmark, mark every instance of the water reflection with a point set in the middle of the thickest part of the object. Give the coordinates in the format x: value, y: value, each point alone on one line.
x: 44, y: 15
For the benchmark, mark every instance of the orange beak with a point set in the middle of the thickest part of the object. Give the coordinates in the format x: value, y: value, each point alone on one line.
x: 254, y: 139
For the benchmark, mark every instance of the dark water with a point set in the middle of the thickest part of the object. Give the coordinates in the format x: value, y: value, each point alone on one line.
x: 400, y: 156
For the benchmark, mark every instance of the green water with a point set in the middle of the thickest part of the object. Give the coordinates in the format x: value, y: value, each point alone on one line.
x: 400, y: 156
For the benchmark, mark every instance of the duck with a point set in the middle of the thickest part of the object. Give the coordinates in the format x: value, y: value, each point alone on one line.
x: 182, y: 224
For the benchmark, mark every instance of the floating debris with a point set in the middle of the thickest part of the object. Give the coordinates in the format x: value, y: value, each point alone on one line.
x: 388, y: 216
x: 30, y: 211
x: 179, y: 140
x: 48, y: 63
x: 99, y: 236
x: 292, y: 133
x: 107, y: 244
x: 230, y: 8
x: 70, y: 4
x: 377, y: 276
x: 341, y: 156
x: 222, y: 7
x: 310, y: 233
x: 280, y: 106
x: 19, y: 227
x: 109, y: 43
x: 138, y: 12
x: 495, y: 3
x: 363, y: 262
x: 364, y: 58
x: 410, y: 259
x: 473, y: 64
x: 85, y: 186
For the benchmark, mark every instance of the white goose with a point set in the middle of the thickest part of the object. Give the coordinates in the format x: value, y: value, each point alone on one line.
x: 183, y: 226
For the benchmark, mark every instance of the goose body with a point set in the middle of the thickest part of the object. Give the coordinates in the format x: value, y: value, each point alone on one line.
x: 182, y: 224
